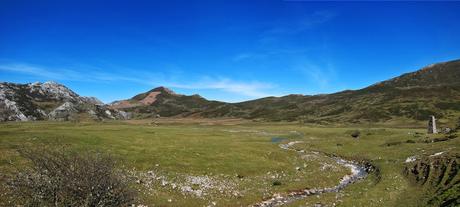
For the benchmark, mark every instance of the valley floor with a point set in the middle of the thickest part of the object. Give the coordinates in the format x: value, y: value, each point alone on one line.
x: 239, y: 163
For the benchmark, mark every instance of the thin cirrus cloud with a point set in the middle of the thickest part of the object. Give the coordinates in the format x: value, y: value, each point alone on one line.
x: 35, y: 71
x: 61, y: 74
x: 249, y: 89
x: 253, y: 89
x: 264, y: 54
x: 294, y: 27
x: 284, y: 28
x: 321, y: 74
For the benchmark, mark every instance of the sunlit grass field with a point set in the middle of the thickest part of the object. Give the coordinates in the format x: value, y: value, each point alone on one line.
x: 240, y: 162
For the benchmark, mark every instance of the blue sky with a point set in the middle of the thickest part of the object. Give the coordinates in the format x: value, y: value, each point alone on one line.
x: 222, y: 50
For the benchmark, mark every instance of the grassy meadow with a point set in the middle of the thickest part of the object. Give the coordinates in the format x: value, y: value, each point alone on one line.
x: 239, y: 163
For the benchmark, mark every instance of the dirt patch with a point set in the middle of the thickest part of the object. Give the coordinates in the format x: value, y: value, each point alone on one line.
x: 150, y: 99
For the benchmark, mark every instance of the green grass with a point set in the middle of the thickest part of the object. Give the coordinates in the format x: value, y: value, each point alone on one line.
x: 222, y: 152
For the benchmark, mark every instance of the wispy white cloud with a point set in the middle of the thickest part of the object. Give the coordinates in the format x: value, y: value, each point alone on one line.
x: 33, y: 70
x: 279, y: 30
x: 307, y: 61
x: 303, y: 24
x: 250, y: 56
x: 271, y: 40
x: 251, y: 89
x: 62, y: 74
x: 243, y: 56
x: 263, y: 54
x: 317, y: 18
x: 319, y: 74
x: 248, y: 89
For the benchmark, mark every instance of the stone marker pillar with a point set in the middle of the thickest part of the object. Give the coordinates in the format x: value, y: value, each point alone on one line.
x: 432, y: 125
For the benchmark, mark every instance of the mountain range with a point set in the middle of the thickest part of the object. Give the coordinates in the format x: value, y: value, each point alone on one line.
x: 432, y: 90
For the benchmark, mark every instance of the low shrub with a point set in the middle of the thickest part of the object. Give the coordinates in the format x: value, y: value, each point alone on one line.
x: 276, y: 183
x: 389, y: 144
x: 355, y: 134
x: 57, y: 177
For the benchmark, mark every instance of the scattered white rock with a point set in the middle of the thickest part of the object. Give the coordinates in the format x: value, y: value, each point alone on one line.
x: 411, y: 159
x: 437, y: 154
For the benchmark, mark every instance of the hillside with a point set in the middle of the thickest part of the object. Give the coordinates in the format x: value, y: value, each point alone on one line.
x: 433, y: 90
x: 164, y: 102
x: 50, y: 101
x: 447, y: 73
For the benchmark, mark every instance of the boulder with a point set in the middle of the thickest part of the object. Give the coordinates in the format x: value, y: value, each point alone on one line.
x: 64, y: 112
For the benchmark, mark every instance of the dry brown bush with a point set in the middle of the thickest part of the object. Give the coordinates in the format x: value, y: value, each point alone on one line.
x: 58, y: 177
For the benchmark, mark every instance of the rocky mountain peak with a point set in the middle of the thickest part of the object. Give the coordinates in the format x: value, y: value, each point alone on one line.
x: 143, y: 99
x: 163, y: 89
x: 52, y: 90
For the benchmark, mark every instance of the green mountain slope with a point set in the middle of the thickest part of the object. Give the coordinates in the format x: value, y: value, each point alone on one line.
x: 433, y: 90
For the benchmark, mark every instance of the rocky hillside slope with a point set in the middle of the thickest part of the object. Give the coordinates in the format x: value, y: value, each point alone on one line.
x: 50, y: 101
x: 439, y: 177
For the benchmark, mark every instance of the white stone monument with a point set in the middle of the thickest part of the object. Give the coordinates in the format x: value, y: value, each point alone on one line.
x: 432, y: 125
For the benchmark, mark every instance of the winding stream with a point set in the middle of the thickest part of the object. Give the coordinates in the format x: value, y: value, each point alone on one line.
x: 357, y: 172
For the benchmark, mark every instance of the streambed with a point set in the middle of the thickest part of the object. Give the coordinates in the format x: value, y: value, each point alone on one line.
x: 357, y: 172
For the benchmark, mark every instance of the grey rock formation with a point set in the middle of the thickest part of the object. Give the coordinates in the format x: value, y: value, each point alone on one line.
x: 9, y: 111
x: 53, y: 90
x: 447, y: 130
x: 124, y: 115
x: 92, y: 100
x: 50, y: 101
x: 64, y: 112
x: 432, y: 125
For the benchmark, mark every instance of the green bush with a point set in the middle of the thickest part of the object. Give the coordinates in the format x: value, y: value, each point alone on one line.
x: 276, y: 183
x: 355, y: 134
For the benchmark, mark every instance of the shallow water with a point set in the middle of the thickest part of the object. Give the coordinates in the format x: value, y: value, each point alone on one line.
x: 277, y: 139
x: 357, y: 172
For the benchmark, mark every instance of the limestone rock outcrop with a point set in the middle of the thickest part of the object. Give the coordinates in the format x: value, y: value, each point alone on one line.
x: 50, y: 101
